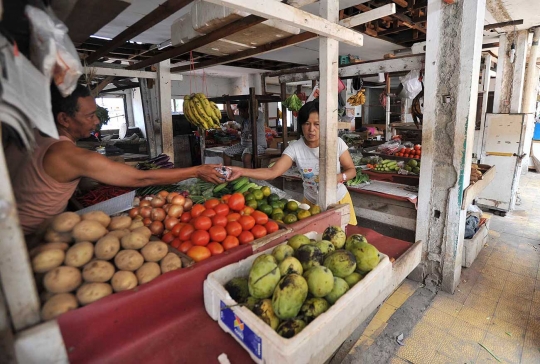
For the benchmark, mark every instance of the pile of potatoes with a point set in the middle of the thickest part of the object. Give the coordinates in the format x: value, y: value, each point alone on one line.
x: 85, y: 258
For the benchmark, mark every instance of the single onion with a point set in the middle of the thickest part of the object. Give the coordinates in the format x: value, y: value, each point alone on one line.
x: 157, y: 202
x: 156, y: 227
x: 166, y: 207
x: 134, y: 212
x: 147, y: 221
x: 145, y: 211
x: 170, y: 196
x: 175, y: 210
x: 144, y: 203
x: 179, y: 200
x: 188, y: 204
x: 158, y: 214
x: 163, y: 194
x: 170, y: 222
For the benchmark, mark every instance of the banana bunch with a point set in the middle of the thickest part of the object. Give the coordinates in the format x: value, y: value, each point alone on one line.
x: 201, y: 112
x: 358, y: 99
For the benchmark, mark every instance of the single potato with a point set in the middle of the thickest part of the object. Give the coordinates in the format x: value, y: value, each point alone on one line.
x: 128, y: 260
x: 124, y: 280
x: 98, y: 216
x: 120, y: 222
x: 91, y: 292
x: 57, y: 305
x: 136, y: 224
x: 147, y: 272
x: 62, y: 279
x: 47, y: 260
x: 119, y: 233
x: 143, y: 230
x: 107, y: 247
x: 134, y: 241
x: 154, y: 251
x: 98, y: 271
x: 52, y: 236
x: 88, y: 230
x: 65, y: 222
x: 48, y: 246
x: 170, y: 262
x: 79, y: 254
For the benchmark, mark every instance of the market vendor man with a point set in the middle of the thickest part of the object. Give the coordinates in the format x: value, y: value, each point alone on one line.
x: 245, y: 147
x: 44, y: 181
x: 305, y: 153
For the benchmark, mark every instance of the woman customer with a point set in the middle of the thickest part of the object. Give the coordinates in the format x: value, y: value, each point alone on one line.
x: 305, y: 153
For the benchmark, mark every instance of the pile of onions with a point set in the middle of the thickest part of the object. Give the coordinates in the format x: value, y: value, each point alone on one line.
x: 161, y: 212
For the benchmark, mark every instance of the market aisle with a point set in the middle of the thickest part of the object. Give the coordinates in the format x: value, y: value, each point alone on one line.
x: 497, y: 303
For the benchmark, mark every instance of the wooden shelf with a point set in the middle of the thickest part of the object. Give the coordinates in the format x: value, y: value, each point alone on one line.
x: 472, y: 192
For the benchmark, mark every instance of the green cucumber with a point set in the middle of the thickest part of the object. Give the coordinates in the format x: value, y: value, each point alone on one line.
x: 242, y: 181
x: 246, y: 187
x: 220, y: 187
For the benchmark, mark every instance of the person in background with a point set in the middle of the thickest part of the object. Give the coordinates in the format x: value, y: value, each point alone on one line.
x: 305, y: 153
x: 245, y: 147
x: 45, y: 180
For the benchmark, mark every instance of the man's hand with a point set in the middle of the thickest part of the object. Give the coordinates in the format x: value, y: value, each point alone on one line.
x: 236, y: 173
x: 209, y: 173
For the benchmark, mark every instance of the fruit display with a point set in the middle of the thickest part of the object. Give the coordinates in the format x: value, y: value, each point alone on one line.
x: 413, y: 166
x: 386, y: 165
x: 302, y: 278
x: 414, y: 152
x: 200, y: 112
x: 357, y: 99
x: 85, y: 258
x: 205, y: 229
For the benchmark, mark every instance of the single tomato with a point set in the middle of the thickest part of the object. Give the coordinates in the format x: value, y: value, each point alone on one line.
x: 185, y: 217
x: 260, y: 217
x: 217, y: 233
x: 176, y: 229
x: 200, y: 238
x: 210, y: 204
x: 237, y: 201
x: 225, y: 198
x: 247, y: 222
x: 417, y: 147
x: 247, y: 210
x: 185, y: 246
x: 230, y: 242
x: 271, y: 226
x: 202, y: 223
x: 176, y: 243
x: 233, y: 216
x: 168, y: 237
x: 245, y: 237
x: 222, y: 209
x: 215, y: 248
x: 185, y: 232
x: 258, y: 231
x: 233, y: 228
x: 197, y: 210
x: 199, y: 253
x: 209, y: 213
x: 219, y: 220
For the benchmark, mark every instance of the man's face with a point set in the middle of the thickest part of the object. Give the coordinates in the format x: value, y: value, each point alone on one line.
x: 244, y: 113
x: 85, y: 121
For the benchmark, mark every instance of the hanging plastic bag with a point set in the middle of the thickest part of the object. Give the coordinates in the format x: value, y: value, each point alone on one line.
x: 51, y: 49
x: 411, y: 84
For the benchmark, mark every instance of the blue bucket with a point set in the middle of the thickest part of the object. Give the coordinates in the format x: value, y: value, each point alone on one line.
x: 536, y: 135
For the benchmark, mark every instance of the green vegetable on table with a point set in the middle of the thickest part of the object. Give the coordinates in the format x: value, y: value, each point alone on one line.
x: 360, y: 178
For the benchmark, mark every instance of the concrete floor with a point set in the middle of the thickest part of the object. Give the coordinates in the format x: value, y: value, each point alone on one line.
x: 496, y: 307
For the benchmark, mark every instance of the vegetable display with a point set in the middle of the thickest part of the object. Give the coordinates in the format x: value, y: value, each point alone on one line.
x: 358, y: 179
x: 159, y: 162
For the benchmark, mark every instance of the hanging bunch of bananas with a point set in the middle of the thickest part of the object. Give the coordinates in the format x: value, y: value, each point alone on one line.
x: 358, y: 99
x: 201, y: 112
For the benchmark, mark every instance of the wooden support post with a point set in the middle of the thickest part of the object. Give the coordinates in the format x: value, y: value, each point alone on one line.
x: 164, y: 88
x: 486, y: 79
x: 285, y: 129
x: 518, y: 80
x: 202, y: 144
x: 388, y: 129
x: 454, y: 44
x: 149, y: 98
x: 253, y: 115
x: 328, y: 159
x: 266, y: 105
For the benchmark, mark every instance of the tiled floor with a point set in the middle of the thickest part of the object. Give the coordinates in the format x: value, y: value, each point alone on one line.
x: 495, y: 309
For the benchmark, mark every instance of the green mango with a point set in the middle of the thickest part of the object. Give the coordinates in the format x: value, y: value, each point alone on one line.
x: 335, y: 235
x: 290, y: 265
x: 313, y: 307
x: 290, y: 328
x: 263, y: 278
x: 309, y: 256
x: 263, y: 309
x: 320, y: 281
x: 341, y: 263
x: 340, y: 288
x: 289, y: 295
x: 282, y: 251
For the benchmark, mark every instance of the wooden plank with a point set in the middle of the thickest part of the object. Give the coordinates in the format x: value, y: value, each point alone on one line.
x: 102, y: 85
x: 503, y: 24
x: 285, y: 129
x: 232, y: 28
x: 368, y: 16
x: 164, y: 89
x: 150, y: 106
x: 328, y: 158
x: 473, y: 191
x: 402, y: 3
x: 254, y: 116
x: 162, y: 12
x: 295, y: 17
x: 124, y: 72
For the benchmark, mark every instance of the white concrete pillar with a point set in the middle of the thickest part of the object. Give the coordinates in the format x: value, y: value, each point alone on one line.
x: 503, y: 81
x: 165, y: 113
x: 531, y: 78
x: 240, y: 85
x: 518, y: 78
x: 453, y: 51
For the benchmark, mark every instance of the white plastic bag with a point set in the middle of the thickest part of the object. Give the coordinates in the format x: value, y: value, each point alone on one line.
x: 411, y: 84
x: 52, y: 51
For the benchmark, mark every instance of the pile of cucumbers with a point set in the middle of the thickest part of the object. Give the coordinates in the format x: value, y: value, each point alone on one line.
x: 203, y: 191
x: 387, y: 165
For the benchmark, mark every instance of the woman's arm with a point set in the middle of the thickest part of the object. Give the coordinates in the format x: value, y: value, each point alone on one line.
x: 281, y: 166
x: 347, y: 166
x: 230, y: 113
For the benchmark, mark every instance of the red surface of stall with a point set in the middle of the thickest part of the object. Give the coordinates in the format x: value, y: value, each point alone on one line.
x: 165, y: 321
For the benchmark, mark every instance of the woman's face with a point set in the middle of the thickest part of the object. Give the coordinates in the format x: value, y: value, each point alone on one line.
x: 310, y: 129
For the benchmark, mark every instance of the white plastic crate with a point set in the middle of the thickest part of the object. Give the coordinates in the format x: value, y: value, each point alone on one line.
x: 318, y: 341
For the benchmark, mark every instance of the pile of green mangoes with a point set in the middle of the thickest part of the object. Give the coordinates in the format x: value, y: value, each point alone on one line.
x: 300, y: 280
x: 413, y: 166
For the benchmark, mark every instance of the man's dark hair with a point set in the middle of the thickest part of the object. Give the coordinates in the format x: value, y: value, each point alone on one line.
x: 244, y: 105
x: 305, y: 111
x: 69, y: 104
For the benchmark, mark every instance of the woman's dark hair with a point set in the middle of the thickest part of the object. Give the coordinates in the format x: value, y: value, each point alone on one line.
x: 305, y: 111
x: 68, y: 104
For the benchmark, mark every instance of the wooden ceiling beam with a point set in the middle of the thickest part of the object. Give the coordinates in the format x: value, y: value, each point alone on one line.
x: 162, y: 12
x: 402, y: 3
